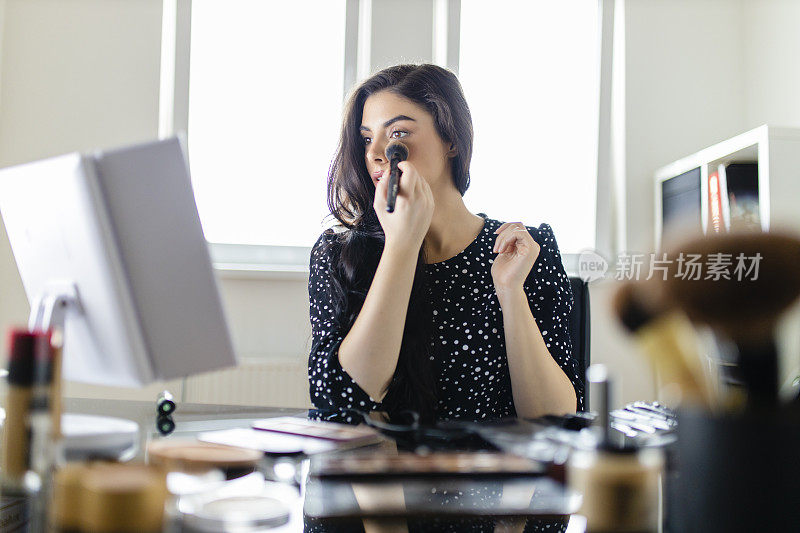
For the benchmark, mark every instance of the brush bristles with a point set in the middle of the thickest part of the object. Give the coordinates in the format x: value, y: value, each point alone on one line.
x: 630, y: 307
x: 398, y: 150
x: 744, y: 303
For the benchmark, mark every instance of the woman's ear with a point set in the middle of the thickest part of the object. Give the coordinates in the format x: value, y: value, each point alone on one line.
x: 453, y: 151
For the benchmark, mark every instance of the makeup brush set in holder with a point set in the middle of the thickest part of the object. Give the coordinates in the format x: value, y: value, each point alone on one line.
x: 734, y: 466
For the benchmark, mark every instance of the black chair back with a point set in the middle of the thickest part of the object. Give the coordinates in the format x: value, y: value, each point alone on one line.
x: 580, y: 329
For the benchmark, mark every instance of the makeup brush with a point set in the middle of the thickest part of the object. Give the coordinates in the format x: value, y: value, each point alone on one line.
x: 745, y: 306
x: 666, y: 336
x: 396, y: 152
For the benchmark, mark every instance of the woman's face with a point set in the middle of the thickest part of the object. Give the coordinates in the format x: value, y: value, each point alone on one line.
x: 389, y: 117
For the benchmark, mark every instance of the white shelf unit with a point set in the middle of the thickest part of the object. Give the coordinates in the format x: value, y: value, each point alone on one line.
x: 777, y: 152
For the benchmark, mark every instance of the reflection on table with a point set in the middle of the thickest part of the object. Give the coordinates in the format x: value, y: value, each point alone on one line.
x: 317, y: 504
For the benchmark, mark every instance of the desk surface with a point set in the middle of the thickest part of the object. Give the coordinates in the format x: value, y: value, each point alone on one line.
x: 449, y: 504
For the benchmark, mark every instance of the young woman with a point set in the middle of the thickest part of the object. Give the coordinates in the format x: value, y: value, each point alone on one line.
x: 431, y: 308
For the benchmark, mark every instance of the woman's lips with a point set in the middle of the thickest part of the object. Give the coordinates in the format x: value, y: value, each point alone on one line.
x: 377, y: 174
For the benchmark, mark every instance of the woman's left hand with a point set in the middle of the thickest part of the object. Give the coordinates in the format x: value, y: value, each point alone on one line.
x: 516, y: 253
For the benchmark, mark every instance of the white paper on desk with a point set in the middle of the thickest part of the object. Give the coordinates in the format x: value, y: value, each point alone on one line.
x: 267, y: 441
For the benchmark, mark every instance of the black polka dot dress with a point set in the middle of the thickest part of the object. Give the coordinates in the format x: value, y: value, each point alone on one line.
x: 468, y: 341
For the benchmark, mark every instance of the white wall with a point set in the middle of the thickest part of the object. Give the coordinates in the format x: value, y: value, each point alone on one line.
x: 73, y: 75
x: 81, y: 74
x: 772, y: 67
x: 76, y: 74
x: 684, y: 92
x: 268, y: 318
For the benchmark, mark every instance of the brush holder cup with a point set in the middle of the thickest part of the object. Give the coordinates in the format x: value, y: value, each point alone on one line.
x: 736, y: 471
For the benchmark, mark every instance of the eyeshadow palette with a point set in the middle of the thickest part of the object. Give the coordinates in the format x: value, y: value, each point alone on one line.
x: 341, y: 433
x: 370, y: 464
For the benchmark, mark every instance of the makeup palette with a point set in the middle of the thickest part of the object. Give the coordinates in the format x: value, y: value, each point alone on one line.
x: 435, y: 464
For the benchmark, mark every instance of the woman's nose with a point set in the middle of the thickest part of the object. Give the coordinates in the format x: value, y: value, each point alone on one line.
x: 376, y: 152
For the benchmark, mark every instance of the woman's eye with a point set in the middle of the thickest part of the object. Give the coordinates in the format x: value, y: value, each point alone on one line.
x: 366, y: 140
x: 398, y: 134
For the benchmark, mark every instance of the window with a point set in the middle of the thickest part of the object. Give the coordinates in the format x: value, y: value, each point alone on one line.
x: 265, y: 101
x: 264, y: 119
x: 529, y: 70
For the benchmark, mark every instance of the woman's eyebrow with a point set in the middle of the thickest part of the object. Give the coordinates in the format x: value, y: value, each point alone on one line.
x: 390, y: 122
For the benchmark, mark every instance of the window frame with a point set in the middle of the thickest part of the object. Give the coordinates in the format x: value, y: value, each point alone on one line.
x: 245, y: 261
x: 242, y: 261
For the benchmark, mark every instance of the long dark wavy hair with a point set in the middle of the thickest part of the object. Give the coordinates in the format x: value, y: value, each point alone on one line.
x: 358, y: 248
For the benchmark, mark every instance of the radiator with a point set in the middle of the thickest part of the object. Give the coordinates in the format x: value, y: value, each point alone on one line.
x: 269, y: 383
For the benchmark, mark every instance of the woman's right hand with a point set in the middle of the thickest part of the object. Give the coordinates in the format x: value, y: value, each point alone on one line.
x: 406, y: 227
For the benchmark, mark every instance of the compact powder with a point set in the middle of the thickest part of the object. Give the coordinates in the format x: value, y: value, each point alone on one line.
x: 191, y: 455
x: 237, y: 513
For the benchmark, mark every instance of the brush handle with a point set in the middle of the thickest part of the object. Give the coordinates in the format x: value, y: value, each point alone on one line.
x: 758, y: 371
x: 601, y: 398
x: 393, y: 185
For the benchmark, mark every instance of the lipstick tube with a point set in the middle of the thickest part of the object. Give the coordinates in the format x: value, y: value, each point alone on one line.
x: 15, y: 451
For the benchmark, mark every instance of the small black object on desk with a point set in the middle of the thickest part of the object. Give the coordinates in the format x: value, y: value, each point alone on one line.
x: 165, y: 424
x: 165, y: 404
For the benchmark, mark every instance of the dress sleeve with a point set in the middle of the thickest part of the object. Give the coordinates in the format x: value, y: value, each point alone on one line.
x: 550, y: 297
x: 330, y: 387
